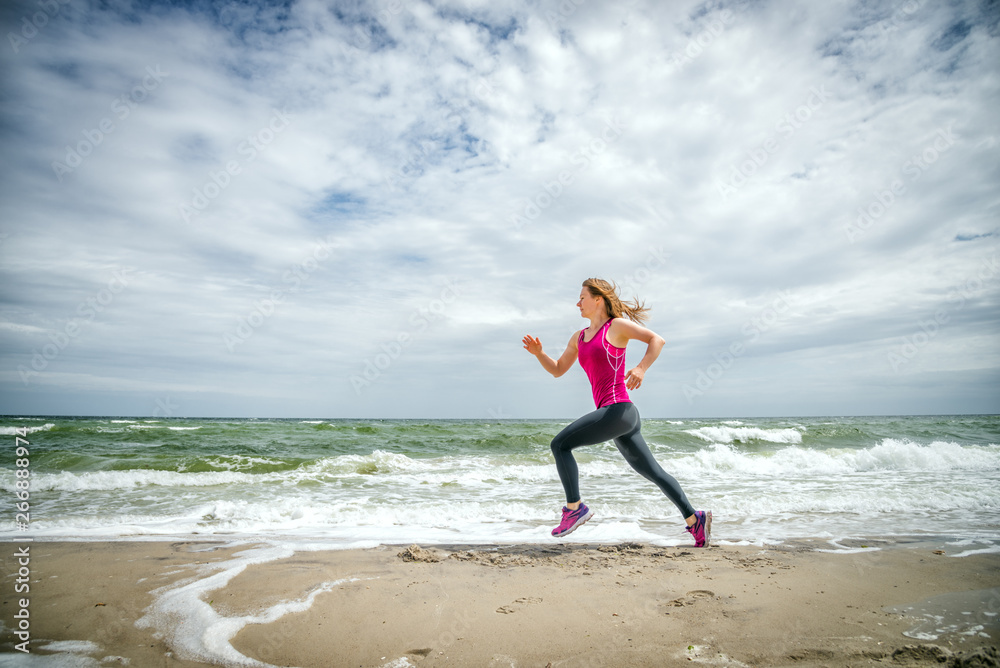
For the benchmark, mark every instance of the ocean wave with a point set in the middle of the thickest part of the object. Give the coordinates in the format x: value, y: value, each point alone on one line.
x: 471, y: 470
x: 799, y: 501
x: 900, y: 455
x: 388, y: 470
x: 378, y: 462
x: 527, y: 512
x: 384, y: 468
x: 364, y: 511
x: 17, y: 431
x: 889, y: 455
x: 67, y: 481
x: 244, y: 463
x: 794, y: 511
x: 733, y: 434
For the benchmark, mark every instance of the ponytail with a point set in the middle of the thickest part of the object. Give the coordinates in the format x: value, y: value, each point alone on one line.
x: 633, y: 310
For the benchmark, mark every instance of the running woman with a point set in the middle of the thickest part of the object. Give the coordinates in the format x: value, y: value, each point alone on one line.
x: 601, y: 350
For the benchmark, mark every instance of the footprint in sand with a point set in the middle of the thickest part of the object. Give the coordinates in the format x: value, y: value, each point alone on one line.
x: 701, y: 593
x: 692, y: 597
x: 524, y: 600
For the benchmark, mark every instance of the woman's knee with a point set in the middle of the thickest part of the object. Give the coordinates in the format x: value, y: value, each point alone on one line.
x: 565, y: 440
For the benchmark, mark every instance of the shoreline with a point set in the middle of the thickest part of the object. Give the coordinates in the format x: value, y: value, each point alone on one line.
x: 211, y: 602
x: 953, y: 545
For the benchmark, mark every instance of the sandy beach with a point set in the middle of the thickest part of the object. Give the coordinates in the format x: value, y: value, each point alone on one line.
x: 208, y: 603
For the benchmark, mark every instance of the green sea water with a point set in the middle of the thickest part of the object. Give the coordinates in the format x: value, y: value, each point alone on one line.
x: 447, y: 480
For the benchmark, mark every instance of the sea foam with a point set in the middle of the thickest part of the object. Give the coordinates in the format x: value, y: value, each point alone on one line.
x: 196, y: 632
x: 17, y: 431
x: 731, y: 434
x: 889, y: 455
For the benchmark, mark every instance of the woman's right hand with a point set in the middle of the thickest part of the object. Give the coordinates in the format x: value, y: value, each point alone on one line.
x: 555, y: 367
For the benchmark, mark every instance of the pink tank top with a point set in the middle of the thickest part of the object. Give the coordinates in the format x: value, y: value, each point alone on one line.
x: 605, y: 367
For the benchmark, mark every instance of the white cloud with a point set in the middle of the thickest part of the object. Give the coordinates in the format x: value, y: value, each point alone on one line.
x: 711, y: 157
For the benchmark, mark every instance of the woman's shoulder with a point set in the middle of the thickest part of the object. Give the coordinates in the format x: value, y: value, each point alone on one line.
x: 620, y: 329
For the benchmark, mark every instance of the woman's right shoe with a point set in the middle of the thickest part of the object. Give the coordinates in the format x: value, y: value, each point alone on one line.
x: 702, y: 528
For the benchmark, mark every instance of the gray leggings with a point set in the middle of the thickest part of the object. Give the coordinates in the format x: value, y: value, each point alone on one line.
x: 621, y: 423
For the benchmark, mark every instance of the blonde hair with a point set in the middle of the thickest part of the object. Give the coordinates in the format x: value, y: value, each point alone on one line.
x: 633, y: 310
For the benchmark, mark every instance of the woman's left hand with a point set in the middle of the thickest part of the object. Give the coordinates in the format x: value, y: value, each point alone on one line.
x: 633, y: 379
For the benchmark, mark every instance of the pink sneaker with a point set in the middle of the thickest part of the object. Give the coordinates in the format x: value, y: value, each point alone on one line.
x: 571, y: 519
x: 702, y: 528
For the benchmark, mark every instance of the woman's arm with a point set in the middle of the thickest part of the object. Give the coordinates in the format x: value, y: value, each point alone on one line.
x: 621, y: 332
x: 555, y: 367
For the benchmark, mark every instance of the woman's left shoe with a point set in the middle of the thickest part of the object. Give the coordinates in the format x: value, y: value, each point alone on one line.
x: 571, y: 519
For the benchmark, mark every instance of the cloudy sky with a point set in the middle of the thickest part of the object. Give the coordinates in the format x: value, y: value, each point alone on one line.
x: 358, y: 209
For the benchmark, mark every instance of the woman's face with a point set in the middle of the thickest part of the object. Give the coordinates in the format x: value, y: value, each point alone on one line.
x: 589, y: 305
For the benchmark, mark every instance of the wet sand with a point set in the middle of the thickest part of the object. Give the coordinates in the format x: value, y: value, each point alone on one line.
x: 209, y: 603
